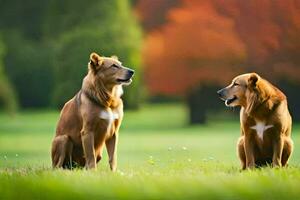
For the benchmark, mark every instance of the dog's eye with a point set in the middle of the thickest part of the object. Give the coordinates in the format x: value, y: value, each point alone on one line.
x: 115, y: 66
x: 236, y: 84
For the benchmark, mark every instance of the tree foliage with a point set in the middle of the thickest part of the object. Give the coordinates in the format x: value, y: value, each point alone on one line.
x: 153, y: 13
x: 107, y: 28
x: 197, y: 44
x: 206, y: 41
x: 7, y: 95
x: 270, y: 31
x: 48, y: 44
x: 26, y: 58
x: 30, y: 68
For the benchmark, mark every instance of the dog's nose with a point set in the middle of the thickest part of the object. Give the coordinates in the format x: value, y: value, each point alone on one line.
x: 131, y: 72
x: 220, y: 92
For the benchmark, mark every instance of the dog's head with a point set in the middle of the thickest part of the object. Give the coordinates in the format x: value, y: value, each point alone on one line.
x: 110, y: 70
x: 241, y: 91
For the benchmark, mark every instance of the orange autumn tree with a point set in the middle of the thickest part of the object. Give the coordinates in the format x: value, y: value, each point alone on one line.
x: 270, y: 31
x: 196, y: 45
x: 153, y: 13
x: 202, y: 42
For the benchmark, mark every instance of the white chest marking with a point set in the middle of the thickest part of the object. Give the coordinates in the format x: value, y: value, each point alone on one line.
x: 109, y: 115
x: 260, y: 128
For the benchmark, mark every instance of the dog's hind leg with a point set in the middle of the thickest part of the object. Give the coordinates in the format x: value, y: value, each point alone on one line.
x: 68, y: 164
x: 61, y: 149
x: 241, y: 152
x: 287, y: 151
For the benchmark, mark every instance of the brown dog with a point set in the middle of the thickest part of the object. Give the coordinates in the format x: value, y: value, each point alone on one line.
x: 265, y: 121
x: 92, y: 118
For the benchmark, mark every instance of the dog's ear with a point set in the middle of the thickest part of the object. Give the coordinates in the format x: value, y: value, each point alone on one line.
x: 252, y: 81
x: 96, y: 61
x: 115, y: 57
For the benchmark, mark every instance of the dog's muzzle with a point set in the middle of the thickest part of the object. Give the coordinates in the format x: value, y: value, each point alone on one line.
x: 128, y: 79
x: 222, y: 96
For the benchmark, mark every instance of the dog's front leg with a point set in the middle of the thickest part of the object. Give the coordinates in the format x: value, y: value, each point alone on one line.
x: 89, y: 150
x: 111, y: 146
x: 249, y: 151
x: 277, y: 154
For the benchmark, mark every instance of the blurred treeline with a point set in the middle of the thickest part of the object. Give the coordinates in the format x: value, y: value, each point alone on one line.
x: 190, y: 48
x: 45, y: 47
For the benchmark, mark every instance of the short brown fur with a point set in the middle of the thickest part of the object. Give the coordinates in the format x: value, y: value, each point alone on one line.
x: 264, y: 104
x: 92, y: 118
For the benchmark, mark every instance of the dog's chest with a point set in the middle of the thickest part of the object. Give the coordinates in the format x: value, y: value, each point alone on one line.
x: 109, y: 116
x: 260, y: 128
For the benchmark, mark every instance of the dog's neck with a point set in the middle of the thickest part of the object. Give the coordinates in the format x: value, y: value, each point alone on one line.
x: 261, y: 109
x: 265, y: 102
x: 101, y: 95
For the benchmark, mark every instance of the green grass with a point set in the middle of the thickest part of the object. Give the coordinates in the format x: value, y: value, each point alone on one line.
x: 160, y: 157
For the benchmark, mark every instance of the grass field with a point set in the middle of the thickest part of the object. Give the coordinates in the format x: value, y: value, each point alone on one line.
x: 159, y: 158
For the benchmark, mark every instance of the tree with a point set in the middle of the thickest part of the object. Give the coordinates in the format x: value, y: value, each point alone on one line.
x: 107, y: 28
x: 28, y: 59
x: 270, y: 31
x: 47, y: 38
x: 7, y: 95
x: 196, y: 45
x: 206, y: 42
x: 25, y: 18
x: 153, y: 13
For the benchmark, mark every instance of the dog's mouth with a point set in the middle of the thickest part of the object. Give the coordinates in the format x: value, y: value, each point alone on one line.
x: 124, y: 81
x: 128, y: 79
x: 230, y: 101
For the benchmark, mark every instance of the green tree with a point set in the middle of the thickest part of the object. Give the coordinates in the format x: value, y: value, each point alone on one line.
x: 47, y: 36
x: 107, y: 28
x: 7, y: 95
x: 28, y: 59
x: 30, y: 68
x: 25, y: 17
